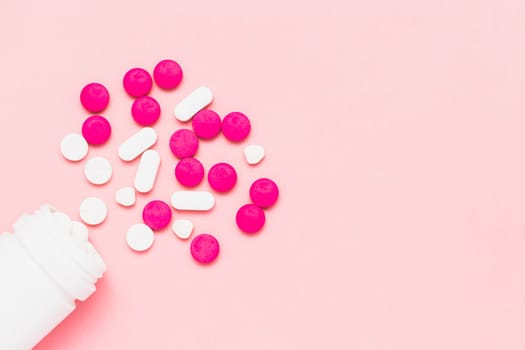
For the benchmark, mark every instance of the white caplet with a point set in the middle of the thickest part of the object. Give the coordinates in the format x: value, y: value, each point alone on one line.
x: 147, y: 171
x: 137, y: 143
x: 192, y: 200
x: 194, y: 102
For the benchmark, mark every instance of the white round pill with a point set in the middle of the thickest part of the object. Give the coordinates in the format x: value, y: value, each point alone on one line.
x: 140, y: 237
x: 254, y: 154
x: 98, y: 170
x: 93, y: 211
x: 125, y: 196
x: 182, y: 228
x: 74, y: 147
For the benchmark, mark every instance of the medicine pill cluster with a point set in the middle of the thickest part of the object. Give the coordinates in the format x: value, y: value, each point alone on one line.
x: 206, y: 124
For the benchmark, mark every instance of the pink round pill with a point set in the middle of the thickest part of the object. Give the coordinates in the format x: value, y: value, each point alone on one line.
x: 236, y: 126
x: 206, y: 124
x: 222, y: 177
x: 167, y: 74
x: 156, y: 214
x: 94, y: 97
x: 250, y: 218
x: 145, y: 110
x: 189, y: 172
x: 264, y: 192
x: 96, y: 130
x: 137, y: 82
x: 204, y: 248
x: 184, y: 143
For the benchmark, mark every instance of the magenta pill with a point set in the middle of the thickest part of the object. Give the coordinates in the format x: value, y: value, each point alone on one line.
x: 96, y: 130
x: 264, y: 192
x: 204, y: 248
x: 137, y: 82
x: 145, y: 110
x: 184, y: 143
x: 222, y: 177
x: 236, y: 126
x: 156, y: 214
x: 94, y: 97
x: 250, y: 218
x: 167, y: 74
x: 206, y: 124
x: 189, y: 172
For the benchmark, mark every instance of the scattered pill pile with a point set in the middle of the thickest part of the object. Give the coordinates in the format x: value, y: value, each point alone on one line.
x: 206, y: 124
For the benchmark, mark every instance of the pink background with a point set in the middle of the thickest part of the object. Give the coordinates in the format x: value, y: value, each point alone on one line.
x: 395, y: 129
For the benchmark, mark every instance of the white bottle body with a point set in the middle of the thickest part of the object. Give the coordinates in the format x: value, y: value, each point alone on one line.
x: 43, y: 269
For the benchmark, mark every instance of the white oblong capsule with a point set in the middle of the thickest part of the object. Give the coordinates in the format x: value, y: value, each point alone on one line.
x: 192, y: 200
x: 147, y: 171
x: 194, y: 102
x: 136, y: 144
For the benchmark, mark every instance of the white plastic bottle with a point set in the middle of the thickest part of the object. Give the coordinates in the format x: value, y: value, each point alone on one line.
x: 45, y: 265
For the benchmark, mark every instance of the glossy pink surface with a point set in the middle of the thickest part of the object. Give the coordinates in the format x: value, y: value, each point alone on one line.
x: 94, y: 97
x: 204, y: 248
x: 157, y: 215
x: 167, y: 74
x: 184, y: 143
x: 145, y: 110
x: 189, y: 172
x: 96, y: 130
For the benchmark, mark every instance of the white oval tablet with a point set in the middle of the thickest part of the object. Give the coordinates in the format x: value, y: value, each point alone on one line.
x: 74, y: 147
x: 140, y: 237
x: 192, y: 200
x: 135, y: 145
x: 182, y: 228
x: 194, y: 102
x: 147, y: 171
x: 93, y: 211
x: 98, y: 170
x: 125, y: 196
x: 254, y: 154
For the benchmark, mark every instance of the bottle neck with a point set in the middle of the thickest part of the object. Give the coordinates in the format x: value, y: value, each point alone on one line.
x: 61, y: 248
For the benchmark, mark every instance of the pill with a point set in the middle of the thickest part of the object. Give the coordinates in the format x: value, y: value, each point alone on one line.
x: 125, y: 196
x: 137, y: 82
x: 182, y: 228
x: 250, y: 218
x: 194, y: 102
x: 222, y: 177
x: 204, y: 248
x: 93, y: 211
x: 192, y: 200
x: 253, y: 154
x: 74, y: 147
x: 96, y: 130
x: 136, y: 144
x: 156, y: 214
x: 206, y: 124
x: 264, y: 192
x: 140, y: 237
x: 167, y: 74
x: 184, y: 143
x: 94, y: 97
x: 189, y: 172
x: 147, y: 171
x: 98, y: 170
x: 236, y: 126
x: 145, y: 110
